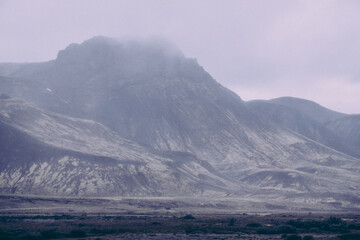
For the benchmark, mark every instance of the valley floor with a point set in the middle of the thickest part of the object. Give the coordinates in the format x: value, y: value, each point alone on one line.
x: 32, y: 217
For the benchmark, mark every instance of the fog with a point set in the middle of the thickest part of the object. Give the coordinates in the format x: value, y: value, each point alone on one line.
x: 259, y: 49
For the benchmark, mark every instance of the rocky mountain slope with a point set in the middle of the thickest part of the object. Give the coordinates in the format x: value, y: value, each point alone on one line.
x: 333, y: 129
x: 45, y: 153
x: 151, y: 94
x: 348, y: 129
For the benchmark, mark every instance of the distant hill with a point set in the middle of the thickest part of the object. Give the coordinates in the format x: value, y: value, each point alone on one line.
x: 310, y: 119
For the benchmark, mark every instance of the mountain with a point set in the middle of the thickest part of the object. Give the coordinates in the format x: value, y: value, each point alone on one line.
x: 348, y: 129
x: 333, y: 129
x: 49, y: 154
x: 150, y: 93
x: 308, y: 108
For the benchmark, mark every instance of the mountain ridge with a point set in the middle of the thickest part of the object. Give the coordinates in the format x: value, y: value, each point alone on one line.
x: 311, y: 120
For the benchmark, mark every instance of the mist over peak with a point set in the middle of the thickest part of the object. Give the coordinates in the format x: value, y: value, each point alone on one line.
x: 155, y: 44
x: 139, y: 58
x: 103, y: 48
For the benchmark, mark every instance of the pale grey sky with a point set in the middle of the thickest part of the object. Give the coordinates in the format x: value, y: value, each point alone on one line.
x: 260, y: 49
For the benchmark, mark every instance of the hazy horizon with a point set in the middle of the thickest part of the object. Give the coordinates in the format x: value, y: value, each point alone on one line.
x: 258, y: 49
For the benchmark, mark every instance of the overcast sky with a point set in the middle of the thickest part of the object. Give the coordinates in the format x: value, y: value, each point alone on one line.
x: 260, y: 49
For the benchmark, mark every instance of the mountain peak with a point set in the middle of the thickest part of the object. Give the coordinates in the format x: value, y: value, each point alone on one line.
x: 102, y: 48
x: 94, y: 48
x: 101, y: 40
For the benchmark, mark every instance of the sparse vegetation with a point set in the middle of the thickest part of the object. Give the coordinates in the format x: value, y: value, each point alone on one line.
x: 94, y: 226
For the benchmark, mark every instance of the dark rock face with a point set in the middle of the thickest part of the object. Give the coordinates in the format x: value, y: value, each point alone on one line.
x: 182, y: 120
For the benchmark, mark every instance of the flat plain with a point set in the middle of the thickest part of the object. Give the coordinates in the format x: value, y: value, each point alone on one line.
x: 36, y: 217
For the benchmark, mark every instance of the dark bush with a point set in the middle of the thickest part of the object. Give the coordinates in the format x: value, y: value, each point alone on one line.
x: 305, y: 224
x: 232, y: 222
x: 123, y: 230
x: 103, y: 231
x: 293, y: 237
x: 193, y: 230
x: 4, y: 236
x: 354, y: 226
x: 334, y: 220
x: 254, y: 225
x: 189, y: 216
x: 29, y: 237
x: 77, y: 233
x: 64, y: 216
x: 286, y: 229
x: 275, y: 221
x: 331, y: 224
x: 50, y: 234
x: 266, y: 231
x: 308, y: 237
x: 350, y: 236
